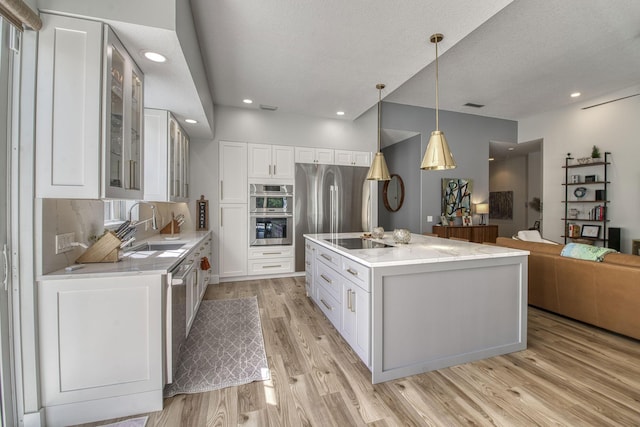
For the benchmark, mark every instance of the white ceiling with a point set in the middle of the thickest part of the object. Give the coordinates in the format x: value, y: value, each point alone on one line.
x: 317, y: 57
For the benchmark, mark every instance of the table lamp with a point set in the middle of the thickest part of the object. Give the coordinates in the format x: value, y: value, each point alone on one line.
x: 482, y: 209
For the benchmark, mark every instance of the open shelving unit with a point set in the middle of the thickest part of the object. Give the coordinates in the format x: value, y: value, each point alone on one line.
x: 586, y: 195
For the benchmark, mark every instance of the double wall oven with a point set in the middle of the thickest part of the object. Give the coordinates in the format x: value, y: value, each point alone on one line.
x: 270, y: 214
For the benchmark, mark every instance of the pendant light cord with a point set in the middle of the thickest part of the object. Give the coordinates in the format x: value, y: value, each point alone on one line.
x: 379, y: 115
x: 437, y: 106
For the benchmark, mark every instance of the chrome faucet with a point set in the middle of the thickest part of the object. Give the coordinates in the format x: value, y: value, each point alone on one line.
x: 154, y: 221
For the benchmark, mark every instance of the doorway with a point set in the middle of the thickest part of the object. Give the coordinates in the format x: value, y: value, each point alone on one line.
x: 516, y: 169
x: 7, y: 390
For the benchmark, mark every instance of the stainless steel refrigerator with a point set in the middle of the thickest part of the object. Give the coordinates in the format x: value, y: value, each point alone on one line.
x: 330, y: 199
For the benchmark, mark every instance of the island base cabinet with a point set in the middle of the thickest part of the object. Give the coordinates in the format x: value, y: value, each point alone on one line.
x: 101, y: 347
x: 356, y: 322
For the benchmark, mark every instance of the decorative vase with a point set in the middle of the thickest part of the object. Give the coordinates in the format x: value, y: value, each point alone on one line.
x: 377, y: 233
x: 401, y: 235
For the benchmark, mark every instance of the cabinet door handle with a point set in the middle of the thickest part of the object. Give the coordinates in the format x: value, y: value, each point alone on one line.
x: 326, y: 278
x: 274, y: 170
x: 349, y: 299
x: 269, y: 169
x: 220, y: 217
x: 131, y: 177
x: 325, y: 304
x: 5, y: 280
x: 352, y: 272
x: 327, y: 257
x: 221, y: 188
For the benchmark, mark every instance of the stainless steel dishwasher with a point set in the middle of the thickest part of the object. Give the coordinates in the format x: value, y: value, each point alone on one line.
x: 176, y: 314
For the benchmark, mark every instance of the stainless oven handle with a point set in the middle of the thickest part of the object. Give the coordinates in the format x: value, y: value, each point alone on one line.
x: 268, y: 215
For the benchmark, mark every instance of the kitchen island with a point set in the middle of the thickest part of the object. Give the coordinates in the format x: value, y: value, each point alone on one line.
x: 412, y: 308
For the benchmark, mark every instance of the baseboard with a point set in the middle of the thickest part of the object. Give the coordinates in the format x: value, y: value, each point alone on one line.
x: 257, y: 277
x: 34, y: 419
x: 103, y: 409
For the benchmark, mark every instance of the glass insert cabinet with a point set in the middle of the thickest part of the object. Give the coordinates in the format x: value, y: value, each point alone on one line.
x: 124, y: 118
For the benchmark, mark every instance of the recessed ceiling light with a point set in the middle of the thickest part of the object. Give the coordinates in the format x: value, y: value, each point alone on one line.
x: 190, y: 121
x: 510, y: 148
x: 155, y: 57
x: 491, y: 159
x: 247, y: 101
x: 575, y: 94
x: 340, y: 113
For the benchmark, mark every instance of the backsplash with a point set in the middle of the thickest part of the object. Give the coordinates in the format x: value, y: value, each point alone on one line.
x: 85, y: 218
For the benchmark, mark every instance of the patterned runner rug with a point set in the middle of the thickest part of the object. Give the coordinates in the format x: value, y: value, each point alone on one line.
x: 225, y: 347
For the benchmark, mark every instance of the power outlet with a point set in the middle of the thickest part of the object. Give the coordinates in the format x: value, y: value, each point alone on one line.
x: 429, y: 218
x: 63, y: 242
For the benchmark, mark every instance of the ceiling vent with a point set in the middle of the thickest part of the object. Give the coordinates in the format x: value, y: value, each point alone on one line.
x: 268, y: 107
x: 471, y: 104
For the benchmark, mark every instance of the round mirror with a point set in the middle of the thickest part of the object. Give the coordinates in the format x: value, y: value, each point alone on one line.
x: 393, y: 193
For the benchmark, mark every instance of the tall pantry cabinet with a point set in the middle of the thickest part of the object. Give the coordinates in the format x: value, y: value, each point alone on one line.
x: 89, y: 118
x: 234, y: 213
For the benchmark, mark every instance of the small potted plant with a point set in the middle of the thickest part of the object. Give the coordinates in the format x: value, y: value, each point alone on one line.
x: 595, y: 152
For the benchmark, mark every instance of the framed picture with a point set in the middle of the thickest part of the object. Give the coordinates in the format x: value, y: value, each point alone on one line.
x: 592, y: 231
x: 590, y: 178
x: 443, y: 220
x: 466, y: 220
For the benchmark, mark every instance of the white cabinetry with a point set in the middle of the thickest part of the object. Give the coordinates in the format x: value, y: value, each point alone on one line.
x: 309, y: 269
x: 323, y: 156
x: 166, y: 156
x: 234, y: 217
x: 342, y: 289
x: 352, y: 158
x: 101, y: 347
x: 233, y: 240
x: 88, y: 114
x: 233, y: 172
x: 270, y: 260
x: 271, y: 162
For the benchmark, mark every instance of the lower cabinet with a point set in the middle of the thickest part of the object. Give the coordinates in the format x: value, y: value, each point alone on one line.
x: 341, y: 288
x: 101, y: 347
x: 356, y: 309
x: 270, y: 260
x: 233, y: 239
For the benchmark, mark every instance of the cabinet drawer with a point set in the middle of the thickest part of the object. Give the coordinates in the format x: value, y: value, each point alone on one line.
x: 329, y: 257
x: 329, y: 306
x: 270, y: 266
x: 271, y: 252
x: 329, y: 279
x: 357, y: 273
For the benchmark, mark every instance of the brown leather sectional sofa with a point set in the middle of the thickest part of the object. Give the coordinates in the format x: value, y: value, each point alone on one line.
x: 604, y: 294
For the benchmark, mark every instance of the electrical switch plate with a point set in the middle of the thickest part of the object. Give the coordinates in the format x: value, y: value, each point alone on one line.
x: 429, y: 218
x: 63, y: 242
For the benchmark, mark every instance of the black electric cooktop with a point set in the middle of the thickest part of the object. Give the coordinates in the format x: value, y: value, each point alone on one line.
x: 357, y: 243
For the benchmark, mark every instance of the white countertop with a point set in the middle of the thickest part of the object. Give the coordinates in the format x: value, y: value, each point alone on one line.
x: 420, y: 250
x: 140, y: 262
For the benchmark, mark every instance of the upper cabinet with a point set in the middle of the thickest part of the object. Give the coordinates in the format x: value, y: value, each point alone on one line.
x: 352, y: 158
x: 271, y: 162
x: 166, y: 156
x: 322, y: 156
x: 233, y: 172
x: 89, y: 118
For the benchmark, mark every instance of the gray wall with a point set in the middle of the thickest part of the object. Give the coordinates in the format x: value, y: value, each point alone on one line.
x: 468, y: 137
x: 400, y: 160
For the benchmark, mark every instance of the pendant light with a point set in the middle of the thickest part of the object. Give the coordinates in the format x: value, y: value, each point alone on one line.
x: 437, y: 156
x: 378, y: 170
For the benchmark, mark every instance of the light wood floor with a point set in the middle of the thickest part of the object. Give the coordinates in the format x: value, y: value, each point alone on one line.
x: 570, y: 375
